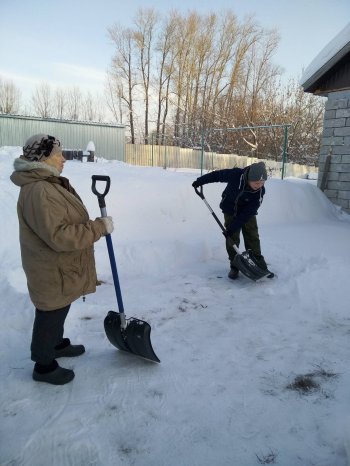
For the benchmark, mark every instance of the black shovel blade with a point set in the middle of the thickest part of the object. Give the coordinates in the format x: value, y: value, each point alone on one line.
x: 135, y: 338
x: 246, y: 264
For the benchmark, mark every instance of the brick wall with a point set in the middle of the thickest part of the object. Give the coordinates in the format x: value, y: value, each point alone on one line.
x: 334, y: 171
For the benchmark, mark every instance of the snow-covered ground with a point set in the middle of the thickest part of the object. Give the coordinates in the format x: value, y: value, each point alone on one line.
x: 238, y: 359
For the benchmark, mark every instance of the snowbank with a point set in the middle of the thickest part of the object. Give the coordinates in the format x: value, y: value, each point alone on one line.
x: 232, y: 353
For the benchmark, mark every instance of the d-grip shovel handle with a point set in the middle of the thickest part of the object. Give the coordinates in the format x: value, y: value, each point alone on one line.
x: 199, y: 192
x: 102, y: 204
x: 101, y: 196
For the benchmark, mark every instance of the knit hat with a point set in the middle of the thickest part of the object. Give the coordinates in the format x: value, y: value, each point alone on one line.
x: 40, y: 147
x: 257, y: 172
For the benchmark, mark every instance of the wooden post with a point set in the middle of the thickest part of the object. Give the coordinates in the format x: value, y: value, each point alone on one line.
x: 325, y: 173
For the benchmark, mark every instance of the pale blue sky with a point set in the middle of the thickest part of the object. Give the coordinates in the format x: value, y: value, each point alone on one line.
x: 65, y: 42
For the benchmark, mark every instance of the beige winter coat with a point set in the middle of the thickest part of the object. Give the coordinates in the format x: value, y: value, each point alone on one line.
x: 56, y: 236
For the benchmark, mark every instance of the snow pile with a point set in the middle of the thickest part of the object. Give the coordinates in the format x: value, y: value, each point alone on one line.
x: 250, y: 373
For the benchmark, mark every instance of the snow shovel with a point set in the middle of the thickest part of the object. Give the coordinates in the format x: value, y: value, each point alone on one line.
x: 244, y: 261
x: 131, y: 335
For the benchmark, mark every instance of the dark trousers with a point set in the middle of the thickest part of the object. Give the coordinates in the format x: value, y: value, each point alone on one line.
x: 48, y: 332
x: 251, y: 239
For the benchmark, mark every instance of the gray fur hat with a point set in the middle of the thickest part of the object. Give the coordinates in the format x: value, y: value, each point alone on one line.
x: 40, y: 147
x: 257, y: 172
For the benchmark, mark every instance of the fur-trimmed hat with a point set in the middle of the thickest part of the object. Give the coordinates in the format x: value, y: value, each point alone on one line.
x: 40, y: 147
x: 257, y: 172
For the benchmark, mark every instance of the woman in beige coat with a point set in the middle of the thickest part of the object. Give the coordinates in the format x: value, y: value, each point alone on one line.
x: 56, y: 239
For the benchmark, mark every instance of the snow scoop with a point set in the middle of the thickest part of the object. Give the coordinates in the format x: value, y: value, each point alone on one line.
x: 244, y: 261
x: 131, y: 335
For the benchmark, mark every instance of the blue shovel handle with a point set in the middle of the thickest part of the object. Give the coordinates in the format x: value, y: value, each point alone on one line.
x: 102, y: 204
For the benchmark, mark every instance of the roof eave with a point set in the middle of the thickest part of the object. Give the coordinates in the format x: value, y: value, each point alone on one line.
x: 326, y: 67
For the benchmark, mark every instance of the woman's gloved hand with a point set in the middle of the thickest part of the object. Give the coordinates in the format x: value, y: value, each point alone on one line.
x: 108, y: 223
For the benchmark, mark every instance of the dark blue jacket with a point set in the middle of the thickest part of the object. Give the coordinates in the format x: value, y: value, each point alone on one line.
x: 238, y: 199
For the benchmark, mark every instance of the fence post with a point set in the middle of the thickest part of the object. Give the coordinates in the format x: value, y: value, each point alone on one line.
x: 202, y: 150
x: 284, y: 149
x: 152, y: 149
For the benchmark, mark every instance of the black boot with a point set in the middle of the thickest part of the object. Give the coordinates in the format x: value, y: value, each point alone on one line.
x: 52, y: 373
x: 66, y: 350
x: 233, y: 273
x: 260, y: 262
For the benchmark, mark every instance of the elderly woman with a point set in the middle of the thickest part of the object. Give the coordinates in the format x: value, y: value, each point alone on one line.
x: 56, y: 239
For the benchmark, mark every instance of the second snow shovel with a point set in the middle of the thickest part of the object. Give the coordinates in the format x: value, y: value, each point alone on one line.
x: 244, y: 261
x: 131, y: 335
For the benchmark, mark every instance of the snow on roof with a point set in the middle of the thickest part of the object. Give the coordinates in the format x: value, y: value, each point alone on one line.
x: 328, y: 56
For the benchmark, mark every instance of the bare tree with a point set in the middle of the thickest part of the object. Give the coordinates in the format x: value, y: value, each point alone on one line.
x: 165, y: 70
x: 259, y: 73
x: 74, y: 103
x: 123, y: 70
x: 215, y: 80
x: 41, y: 100
x: 201, y: 54
x: 113, y: 96
x: 89, y: 108
x: 246, y: 36
x: 100, y: 107
x: 145, y: 22
x: 208, y: 71
x: 305, y: 114
x: 60, y: 103
x: 181, y: 80
x: 92, y: 107
x: 10, y: 97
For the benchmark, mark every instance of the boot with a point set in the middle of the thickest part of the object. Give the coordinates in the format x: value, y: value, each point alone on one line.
x: 66, y: 350
x: 233, y: 273
x: 260, y: 262
x: 52, y: 373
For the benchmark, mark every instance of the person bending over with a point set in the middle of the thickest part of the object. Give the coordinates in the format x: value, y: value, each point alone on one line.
x: 240, y: 202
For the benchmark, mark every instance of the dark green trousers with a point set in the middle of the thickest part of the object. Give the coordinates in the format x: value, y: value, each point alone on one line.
x: 251, y: 239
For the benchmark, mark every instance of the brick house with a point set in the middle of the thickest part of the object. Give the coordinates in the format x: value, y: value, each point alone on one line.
x: 329, y: 75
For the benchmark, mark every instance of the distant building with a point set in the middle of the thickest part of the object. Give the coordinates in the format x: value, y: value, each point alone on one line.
x: 109, y: 139
x: 329, y: 75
